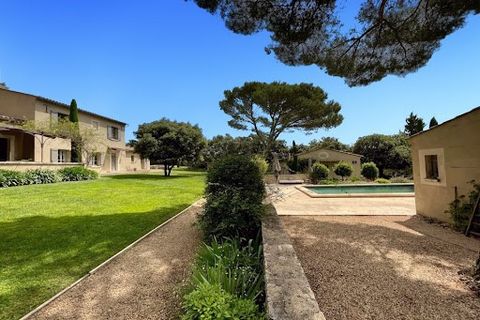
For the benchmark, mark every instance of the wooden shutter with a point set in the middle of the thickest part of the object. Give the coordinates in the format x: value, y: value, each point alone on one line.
x: 53, y: 155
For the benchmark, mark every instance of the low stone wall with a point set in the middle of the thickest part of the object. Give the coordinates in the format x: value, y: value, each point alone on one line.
x: 24, y: 165
x: 288, y: 293
x: 270, y: 178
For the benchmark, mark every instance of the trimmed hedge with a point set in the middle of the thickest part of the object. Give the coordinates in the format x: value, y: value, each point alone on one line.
x: 227, y: 281
x: 235, y: 192
x: 11, y: 178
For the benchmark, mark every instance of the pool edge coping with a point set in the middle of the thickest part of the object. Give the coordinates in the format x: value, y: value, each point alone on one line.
x: 304, y: 189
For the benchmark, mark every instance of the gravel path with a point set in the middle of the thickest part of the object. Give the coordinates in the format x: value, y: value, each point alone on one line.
x: 142, y: 283
x: 385, y: 267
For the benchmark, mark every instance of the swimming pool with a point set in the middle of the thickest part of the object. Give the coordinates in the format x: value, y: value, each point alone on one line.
x: 360, y: 190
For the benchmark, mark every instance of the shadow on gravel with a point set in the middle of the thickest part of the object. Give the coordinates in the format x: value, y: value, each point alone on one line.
x: 377, y: 268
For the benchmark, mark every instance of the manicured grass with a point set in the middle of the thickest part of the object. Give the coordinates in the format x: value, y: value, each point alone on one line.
x: 51, y: 235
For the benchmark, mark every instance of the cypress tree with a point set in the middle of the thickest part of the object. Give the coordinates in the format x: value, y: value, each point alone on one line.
x: 433, y: 123
x: 73, y: 117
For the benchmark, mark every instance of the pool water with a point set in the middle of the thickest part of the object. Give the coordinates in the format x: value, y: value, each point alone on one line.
x: 363, y: 188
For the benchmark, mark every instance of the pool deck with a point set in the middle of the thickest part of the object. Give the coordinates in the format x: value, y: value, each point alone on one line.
x: 289, y: 201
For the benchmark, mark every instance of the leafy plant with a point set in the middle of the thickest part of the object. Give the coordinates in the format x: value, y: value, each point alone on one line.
x: 211, y: 302
x: 343, y: 169
x: 461, y: 209
x: 261, y: 163
x: 236, y: 268
x: 382, y: 181
x: 77, y: 174
x: 41, y: 176
x: 10, y: 178
x: 370, y: 170
x: 319, y: 172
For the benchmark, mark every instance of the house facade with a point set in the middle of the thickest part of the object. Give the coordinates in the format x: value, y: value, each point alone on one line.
x: 445, y: 158
x: 331, y: 157
x: 23, y: 150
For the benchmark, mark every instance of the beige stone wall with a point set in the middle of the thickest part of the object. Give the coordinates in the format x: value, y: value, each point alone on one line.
x: 112, y: 152
x: 330, y: 157
x: 17, y: 105
x: 457, y: 144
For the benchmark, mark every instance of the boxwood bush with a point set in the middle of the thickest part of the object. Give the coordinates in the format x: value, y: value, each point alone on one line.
x: 77, y: 174
x: 343, y: 169
x: 370, y: 171
x: 319, y: 172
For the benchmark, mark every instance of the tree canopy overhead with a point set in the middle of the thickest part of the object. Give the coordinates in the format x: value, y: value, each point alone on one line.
x: 386, y: 36
x: 269, y: 109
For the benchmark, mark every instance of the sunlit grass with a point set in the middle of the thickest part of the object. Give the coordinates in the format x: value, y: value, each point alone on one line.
x: 51, y: 235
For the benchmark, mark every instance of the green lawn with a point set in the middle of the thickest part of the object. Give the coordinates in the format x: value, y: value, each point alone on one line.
x: 51, y: 235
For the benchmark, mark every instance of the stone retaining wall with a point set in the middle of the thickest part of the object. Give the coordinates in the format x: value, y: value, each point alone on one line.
x: 288, y: 293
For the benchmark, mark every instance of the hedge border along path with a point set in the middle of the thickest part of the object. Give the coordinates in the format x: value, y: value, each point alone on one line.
x: 143, y: 281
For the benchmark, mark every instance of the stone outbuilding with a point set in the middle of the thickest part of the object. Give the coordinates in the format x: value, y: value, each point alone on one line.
x: 445, y: 158
x: 331, y: 157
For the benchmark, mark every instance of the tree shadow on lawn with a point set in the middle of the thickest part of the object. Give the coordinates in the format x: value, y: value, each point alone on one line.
x: 154, y: 176
x: 360, y: 270
x: 41, y: 255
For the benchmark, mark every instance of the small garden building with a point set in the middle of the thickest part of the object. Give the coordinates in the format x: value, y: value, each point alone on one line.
x: 331, y: 157
x: 445, y: 158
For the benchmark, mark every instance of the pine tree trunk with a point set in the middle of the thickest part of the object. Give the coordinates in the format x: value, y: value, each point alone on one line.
x: 476, y: 268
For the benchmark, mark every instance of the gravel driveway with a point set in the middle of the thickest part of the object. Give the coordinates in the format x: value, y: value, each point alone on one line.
x: 142, y: 283
x: 385, y: 267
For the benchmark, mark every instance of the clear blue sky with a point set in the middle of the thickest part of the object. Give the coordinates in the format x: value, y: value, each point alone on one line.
x: 138, y: 61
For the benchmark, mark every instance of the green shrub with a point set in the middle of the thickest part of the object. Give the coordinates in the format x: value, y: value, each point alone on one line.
x: 382, y: 181
x: 41, y: 176
x: 355, y: 179
x: 319, y: 172
x: 399, y: 180
x: 370, y: 171
x: 461, y: 209
x: 261, y: 163
x: 211, y: 302
x: 231, y: 213
x: 300, y: 166
x: 10, y: 178
x: 235, y: 192
x: 343, y: 169
x: 236, y: 172
x: 77, y: 174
